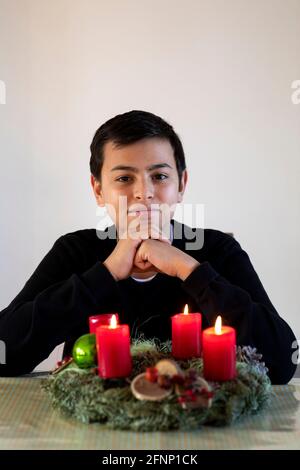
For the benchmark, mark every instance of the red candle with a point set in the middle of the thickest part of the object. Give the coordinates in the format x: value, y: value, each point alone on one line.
x: 103, y: 319
x: 186, y: 334
x: 113, y: 350
x: 219, y: 352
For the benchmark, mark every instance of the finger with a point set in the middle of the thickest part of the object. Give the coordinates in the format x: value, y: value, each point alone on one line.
x: 151, y: 270
x: 141, y: 258
x: 142, y: 267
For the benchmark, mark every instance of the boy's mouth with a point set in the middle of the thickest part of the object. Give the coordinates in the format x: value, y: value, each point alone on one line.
x: 138, y: 212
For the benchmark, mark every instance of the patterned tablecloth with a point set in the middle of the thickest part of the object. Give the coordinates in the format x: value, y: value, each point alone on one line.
x: 27, y: 421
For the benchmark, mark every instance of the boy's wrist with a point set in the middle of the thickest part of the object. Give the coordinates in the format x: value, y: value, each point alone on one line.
x: 187, y: 268
x: 108, y: 267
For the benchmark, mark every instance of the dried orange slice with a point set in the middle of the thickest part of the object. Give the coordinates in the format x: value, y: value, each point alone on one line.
x: 168, y: 367
x: 143, y: 389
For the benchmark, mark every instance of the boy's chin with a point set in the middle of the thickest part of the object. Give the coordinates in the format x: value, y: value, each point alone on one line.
x: 143, y: 274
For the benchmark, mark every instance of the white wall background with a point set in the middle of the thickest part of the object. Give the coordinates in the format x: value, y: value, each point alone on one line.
x: 219, y: 71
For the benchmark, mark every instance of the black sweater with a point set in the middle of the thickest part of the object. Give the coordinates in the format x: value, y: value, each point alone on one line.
x: 71, y: 283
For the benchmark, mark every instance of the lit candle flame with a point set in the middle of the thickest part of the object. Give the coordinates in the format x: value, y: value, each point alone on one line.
x: 186, y: 310
x: 218, y: 325
x: 113, y: 321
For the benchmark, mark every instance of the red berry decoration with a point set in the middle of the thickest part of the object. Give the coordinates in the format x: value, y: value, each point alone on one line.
x: 151, y: 374
x: 60, y: 365
x: 164, y: 381
x: 177, y: 379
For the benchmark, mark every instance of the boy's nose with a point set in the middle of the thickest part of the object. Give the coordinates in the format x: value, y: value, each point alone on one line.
x: 143, y: 192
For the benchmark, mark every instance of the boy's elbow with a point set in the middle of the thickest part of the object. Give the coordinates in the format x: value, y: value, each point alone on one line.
x: 13, y: 364
x: 14, y: 370
x: 281, y: 374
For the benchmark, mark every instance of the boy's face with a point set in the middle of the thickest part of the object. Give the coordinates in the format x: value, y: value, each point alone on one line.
x: 142, y: 184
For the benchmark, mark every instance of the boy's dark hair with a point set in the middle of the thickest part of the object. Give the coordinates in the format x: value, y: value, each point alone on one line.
x: 127, y: 128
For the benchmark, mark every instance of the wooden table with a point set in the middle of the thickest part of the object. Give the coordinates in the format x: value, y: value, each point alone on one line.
x: 27, y: 421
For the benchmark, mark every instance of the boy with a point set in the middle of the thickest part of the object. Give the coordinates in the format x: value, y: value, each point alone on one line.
x: 144, y: 272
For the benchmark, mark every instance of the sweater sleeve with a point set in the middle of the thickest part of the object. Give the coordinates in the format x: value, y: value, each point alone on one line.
x: 54, y: 302
x: 235, y: 292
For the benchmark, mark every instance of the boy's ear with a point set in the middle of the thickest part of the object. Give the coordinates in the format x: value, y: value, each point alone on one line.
x: 182, y: 185
x: 97, y: 189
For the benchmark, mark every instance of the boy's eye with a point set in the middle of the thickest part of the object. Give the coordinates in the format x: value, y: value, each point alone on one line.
x: 122, y: 179
x: 158, y: 176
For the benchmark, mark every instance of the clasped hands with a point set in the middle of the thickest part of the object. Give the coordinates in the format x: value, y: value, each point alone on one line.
x: 148, y: 251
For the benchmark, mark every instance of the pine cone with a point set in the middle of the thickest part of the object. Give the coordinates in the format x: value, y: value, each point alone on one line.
x: 250, y: 356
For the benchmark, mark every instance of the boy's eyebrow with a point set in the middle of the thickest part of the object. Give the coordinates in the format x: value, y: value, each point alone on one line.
x: 135, y: 170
